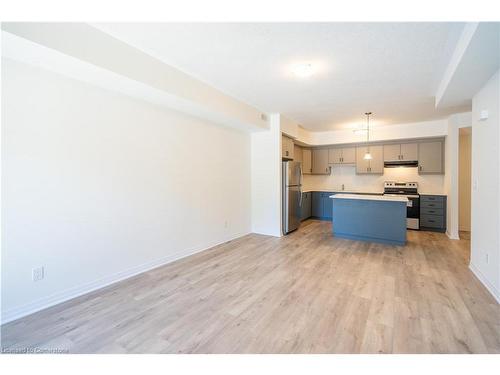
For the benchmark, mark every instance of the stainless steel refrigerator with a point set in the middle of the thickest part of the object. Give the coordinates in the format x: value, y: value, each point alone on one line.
x: 292, y: 195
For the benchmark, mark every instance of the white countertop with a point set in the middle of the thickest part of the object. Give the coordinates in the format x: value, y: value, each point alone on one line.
x: 340, y: 191
x: 388, y: 198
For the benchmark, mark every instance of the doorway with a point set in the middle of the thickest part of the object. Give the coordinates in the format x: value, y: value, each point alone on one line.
x: 464, y: 184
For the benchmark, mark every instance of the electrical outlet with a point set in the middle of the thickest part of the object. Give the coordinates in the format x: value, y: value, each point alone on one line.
x: 37, y: 274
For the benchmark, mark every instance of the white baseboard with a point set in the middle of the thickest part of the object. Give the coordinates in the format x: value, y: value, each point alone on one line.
x: 490, y: 287
x: 452, y: 236
x: 65, y: 295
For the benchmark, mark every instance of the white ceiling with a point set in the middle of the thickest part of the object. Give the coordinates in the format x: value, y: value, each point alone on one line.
x: 391, y: 69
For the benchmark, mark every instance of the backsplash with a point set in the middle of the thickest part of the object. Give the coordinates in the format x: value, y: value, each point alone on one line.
x: 343, y: 174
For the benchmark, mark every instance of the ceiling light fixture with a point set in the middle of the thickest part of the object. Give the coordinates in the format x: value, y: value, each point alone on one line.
x: 303, y: 70
x: 368, y: 156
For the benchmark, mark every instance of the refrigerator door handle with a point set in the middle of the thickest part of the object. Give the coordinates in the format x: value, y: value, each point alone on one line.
x: 300, y: 184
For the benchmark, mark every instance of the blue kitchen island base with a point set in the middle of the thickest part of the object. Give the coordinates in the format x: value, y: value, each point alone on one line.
x: 370, y: 218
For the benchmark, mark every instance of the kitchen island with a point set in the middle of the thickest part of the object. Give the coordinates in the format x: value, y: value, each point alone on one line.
x: 375, y: 218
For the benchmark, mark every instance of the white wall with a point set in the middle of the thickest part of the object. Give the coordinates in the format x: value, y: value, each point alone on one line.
x: 266, y: 179
x: 85, y: 53
x: 289, y: 127
x: 428, y: 184
x: 98, y: 186
x: 485, y: 241
x: 455, y: 122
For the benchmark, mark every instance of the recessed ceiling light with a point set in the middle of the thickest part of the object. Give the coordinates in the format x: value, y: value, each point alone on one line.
x: 303, y: 70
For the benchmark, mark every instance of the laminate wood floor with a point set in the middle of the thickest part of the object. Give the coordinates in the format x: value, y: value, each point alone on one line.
x: 305, y: 293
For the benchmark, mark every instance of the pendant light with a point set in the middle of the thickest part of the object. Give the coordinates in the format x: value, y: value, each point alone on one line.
x: 368, y: 156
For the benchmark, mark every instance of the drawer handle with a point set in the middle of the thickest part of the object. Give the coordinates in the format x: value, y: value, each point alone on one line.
x: 431, y: 221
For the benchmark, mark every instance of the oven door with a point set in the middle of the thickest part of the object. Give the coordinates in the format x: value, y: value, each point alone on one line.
x: 413, y: 212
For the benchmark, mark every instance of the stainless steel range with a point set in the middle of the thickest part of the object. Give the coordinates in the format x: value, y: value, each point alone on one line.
x: 409, y: 190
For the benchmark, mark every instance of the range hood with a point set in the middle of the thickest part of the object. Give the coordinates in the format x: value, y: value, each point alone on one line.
x: 400, y: 163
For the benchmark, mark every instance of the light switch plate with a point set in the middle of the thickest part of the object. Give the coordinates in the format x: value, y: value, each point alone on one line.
x: 37, y: 274
x: 483, y: 115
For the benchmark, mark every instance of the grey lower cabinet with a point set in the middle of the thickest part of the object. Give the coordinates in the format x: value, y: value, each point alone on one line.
x: 433, y: 213
x: 305, y: 211
x: 316, y: 206
x: 321, y: 205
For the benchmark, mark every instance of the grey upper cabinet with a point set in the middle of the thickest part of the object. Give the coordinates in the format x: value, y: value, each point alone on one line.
x: 345, y: 155
x: 362, y: 165
x: 398, y: 152
x: 377, y: 163
x: 373, y: 166
x: 306, y: 161
x: 286, y: 147
x: 349, y: 155
x: 335, y: 156
x: 392, y: 152
x: 297, y: 153
x: 430, y: 157
x: 409, y: 151
x: 320, y: 161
